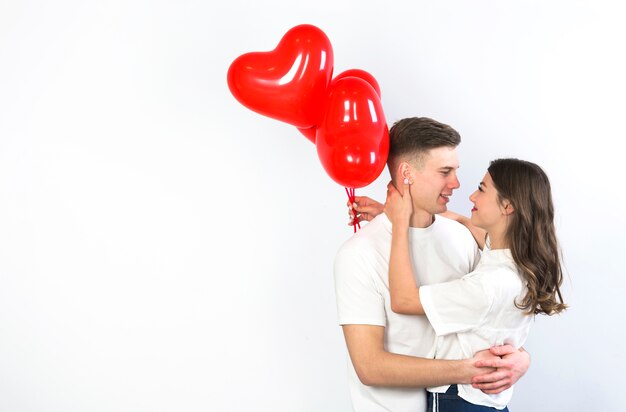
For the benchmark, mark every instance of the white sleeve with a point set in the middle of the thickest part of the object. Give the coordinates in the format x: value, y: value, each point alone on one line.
x: 456, y: 306
x: 359, y: 301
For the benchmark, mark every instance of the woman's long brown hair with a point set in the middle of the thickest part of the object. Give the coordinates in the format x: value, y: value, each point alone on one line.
x: 531, y: 234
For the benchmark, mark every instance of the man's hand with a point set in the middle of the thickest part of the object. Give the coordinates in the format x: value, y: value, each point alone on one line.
x: 366, y: 209
x: 510, y: 363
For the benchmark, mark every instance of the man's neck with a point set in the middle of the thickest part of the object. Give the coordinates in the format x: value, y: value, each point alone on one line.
x: 421, y: 219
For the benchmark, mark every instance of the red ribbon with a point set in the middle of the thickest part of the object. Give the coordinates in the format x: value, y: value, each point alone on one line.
x: 355, y: 221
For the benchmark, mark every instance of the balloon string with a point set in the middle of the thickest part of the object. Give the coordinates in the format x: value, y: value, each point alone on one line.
x: 351, y: 198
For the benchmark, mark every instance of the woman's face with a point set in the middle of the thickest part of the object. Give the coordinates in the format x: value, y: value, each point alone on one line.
x: 488, y: 211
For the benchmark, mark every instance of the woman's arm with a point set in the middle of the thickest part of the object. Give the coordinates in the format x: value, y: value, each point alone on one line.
x: 403, y: 289
x: 367, y: 209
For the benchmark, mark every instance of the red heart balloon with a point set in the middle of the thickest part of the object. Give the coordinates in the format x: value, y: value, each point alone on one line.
x: 289, y: 83
x: 353, y: 140
x: 361, y: 74
x: 309, y: 133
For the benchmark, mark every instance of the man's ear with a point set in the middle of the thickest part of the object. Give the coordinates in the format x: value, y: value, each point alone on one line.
x: 404, y: 170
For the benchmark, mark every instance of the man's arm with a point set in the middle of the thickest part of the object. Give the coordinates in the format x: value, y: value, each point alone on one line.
x: 377, y: 367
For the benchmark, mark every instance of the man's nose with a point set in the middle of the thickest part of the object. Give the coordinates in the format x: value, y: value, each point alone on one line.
x: 454, y: 182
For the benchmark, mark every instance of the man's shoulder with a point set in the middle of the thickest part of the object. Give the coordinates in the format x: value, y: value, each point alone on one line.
x: 454, y: 228
x: 369, y: 243
x: 371, y: 234
x: 449, y: 223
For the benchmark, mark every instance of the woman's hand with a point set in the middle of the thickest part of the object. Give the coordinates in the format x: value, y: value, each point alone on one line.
x: 366, y: 209
x: 399, y: 207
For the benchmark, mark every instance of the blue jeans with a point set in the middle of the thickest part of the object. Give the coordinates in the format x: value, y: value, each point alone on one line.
x: 452, y: 402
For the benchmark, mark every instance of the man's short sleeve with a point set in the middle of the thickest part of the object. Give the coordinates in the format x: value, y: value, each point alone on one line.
x: 359, y: 299
x: 456, y: 306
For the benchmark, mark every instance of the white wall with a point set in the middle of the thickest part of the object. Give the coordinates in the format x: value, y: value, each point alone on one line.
x: 162, y: 248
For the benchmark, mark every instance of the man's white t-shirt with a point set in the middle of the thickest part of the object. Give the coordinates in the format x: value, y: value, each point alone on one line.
x: 442, y: 252
x: 476, y: 312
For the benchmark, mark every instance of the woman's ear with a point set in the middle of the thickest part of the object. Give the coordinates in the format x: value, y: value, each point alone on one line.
x: 507, y: 207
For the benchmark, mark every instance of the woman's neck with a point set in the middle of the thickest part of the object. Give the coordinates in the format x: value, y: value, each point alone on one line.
x: 497, y: 240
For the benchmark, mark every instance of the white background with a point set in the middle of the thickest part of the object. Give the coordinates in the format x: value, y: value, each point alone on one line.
x: 163, y: 248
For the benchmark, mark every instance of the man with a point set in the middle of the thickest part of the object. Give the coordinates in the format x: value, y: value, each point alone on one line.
x: 391, y: 354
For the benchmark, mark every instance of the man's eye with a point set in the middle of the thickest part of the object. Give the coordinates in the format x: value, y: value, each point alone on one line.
x: 480, y: 188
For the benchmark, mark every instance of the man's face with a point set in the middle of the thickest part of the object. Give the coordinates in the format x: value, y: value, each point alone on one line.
x: 434, y: 183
